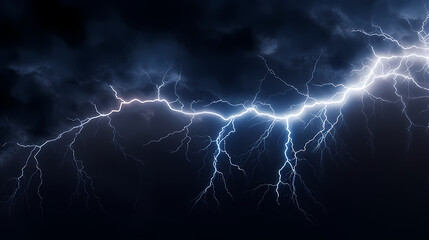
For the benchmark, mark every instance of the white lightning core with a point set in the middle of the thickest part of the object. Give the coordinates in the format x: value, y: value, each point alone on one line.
x: 396, y: 68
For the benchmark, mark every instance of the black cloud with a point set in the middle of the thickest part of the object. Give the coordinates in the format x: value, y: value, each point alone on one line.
x: 214, y: 43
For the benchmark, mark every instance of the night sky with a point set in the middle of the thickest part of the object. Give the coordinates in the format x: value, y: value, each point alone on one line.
x: 59, y: 57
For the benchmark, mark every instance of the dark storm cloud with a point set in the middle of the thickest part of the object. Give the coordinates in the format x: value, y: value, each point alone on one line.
x: 56, y: 56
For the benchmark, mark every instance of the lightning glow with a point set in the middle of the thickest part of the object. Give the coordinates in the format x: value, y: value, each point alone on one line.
x: 325, y: 113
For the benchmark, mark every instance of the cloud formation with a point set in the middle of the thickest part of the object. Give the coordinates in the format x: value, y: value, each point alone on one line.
x: 57, y: 56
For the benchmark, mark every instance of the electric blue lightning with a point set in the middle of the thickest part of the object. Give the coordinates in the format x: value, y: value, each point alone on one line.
x: 324, y: 112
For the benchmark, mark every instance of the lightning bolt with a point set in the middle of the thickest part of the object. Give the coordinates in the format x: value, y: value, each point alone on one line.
x: 325, y: 114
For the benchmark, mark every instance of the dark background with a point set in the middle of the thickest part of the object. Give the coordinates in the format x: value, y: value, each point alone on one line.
x: 58, y: 56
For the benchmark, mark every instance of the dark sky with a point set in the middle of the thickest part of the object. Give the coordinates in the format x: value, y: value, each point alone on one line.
x: 56, y: 57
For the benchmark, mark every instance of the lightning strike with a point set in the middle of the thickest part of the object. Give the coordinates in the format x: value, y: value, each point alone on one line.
x: 395, y: 68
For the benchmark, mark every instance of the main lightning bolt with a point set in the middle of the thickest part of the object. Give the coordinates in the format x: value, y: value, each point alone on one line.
x: 323, y: 113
